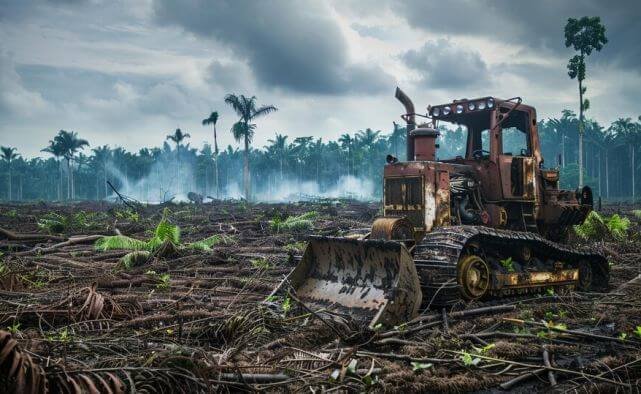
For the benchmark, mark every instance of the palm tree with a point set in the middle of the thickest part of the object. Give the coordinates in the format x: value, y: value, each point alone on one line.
x: 8, y: 155
x: 584, y: 35
x: 280, y: 149
x: 346, y: 142
x: 58, y: 153
x: 70, y: 145
x: 213, y: 119
x: 243, y: 129
x: 102, y: 156
x: 178, y: 137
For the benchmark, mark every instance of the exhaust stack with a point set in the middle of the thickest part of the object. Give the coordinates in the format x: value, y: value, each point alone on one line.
x: 410, y: 119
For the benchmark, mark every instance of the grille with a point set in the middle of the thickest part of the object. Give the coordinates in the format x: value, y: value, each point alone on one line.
x: 404, y: 197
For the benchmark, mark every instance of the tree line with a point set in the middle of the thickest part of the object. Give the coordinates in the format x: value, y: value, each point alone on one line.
x: 76, y: 171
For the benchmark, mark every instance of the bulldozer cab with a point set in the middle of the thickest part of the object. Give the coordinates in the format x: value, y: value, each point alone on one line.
x: 501, y: 144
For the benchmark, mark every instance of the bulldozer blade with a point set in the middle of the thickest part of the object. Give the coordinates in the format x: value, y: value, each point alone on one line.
x: 372, y: 281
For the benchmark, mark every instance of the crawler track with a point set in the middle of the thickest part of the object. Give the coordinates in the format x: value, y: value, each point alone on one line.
x: 437, y: 255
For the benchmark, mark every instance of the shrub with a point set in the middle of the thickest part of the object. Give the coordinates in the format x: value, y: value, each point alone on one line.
x: 294, y: 223
x: 597, y: 227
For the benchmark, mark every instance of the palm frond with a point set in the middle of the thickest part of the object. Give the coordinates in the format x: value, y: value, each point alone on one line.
x: 264, y: 110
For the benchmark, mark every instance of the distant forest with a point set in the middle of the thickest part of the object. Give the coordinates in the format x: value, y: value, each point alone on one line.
x: 76, y: 171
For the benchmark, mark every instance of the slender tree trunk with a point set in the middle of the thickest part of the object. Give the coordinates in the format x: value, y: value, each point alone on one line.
x: 563, y: 150
x: 10, y: 195
x: 216, y: 162
x: 600, y: 175
x: 607, y: 176
x: 68, y: 180
x: 581, y: 129
x: 246, y: 168
x: 104, y: 177
x: 633, y: 174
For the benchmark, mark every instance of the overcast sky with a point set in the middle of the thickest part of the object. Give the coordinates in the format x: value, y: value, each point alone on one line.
x: 129, y: 72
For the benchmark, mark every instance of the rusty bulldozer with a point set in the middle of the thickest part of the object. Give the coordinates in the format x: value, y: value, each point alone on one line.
x: 488, y: 222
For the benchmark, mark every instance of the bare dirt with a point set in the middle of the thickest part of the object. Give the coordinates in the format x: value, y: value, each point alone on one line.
x: 74, y: 319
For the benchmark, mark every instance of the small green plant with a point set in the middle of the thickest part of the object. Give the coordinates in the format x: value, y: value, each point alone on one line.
x: 508, y: 264
x: 135, y: 259
x: 119, y: 242
x: 128, y: 215
x: 469, y: 360
x: 3, y: 269
x: 53, y: 223
x: 165, y: 282
x: 419, y: 367
x: 295, y: 247
x: 260, y: 264
x: 165, y: 231
x: 64, y: 336
x: 287, y: 305
x: 637, y: 331
x: 14, y: 328
x: 484, y: 349
x: 209, y: 242
x: 623, y: 336
x: 549, y: 291
x: 12, y: 213
x: 294, y: 223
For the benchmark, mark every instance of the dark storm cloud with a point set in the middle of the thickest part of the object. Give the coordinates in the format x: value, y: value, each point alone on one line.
x: 442, y: 65
x: 537, y: 25
x: 294, y: 46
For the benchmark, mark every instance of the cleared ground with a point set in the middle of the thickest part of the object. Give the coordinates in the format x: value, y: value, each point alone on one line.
x: 192, y: 318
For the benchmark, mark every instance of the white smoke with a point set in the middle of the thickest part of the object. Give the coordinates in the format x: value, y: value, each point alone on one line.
x: 287, y: 190
x: 167, y: 180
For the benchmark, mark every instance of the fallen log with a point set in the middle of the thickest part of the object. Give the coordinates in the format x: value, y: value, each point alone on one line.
x: 34, y: 237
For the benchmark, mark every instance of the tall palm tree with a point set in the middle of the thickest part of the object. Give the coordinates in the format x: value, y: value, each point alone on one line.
x: 246, y: 109
x: 213, y: 119
x: 625, y: 130
x: 280, y: 149
x: 101, y: 156
x: 177, y: 137
x: 347, y: 142
x: 70, y: 144
x: 58, y: 153
x: 8, y: 155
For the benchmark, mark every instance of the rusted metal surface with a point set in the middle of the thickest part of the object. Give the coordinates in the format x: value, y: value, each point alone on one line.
x: 499, y: 192
x: 372, y: 281
x: 392, y: 228
x: 441, y: 255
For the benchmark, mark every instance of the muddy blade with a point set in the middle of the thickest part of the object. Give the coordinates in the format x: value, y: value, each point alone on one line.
x: 372, y: 281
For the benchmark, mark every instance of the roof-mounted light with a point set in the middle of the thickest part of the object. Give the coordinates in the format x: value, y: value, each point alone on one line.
x: 490, y: 103
x: 481, y: 105
x: 471, y: 106
x: 436, y: 111
x: 447, y: 110
x: 459, y: 109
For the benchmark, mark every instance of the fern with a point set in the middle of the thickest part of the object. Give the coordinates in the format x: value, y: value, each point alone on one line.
x: 165, y: 231
x: 618, y: 226
x: 207, y: 243
x: 592, y: 227
x: 119, y: 242
x: 134, y: 259
x: 301, y: 222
